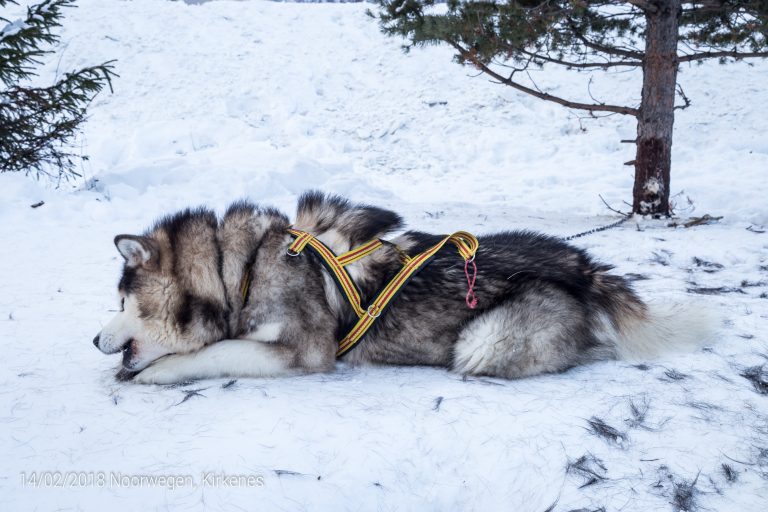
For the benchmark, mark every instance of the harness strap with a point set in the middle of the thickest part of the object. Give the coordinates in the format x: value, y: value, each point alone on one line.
x: 466, y: 244
x: 331, y: 262
x: 359, y: 253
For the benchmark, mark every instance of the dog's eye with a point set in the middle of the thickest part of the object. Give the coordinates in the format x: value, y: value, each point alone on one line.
x: 122, y: 304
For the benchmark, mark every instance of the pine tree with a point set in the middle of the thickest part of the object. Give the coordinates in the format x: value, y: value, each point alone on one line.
x: 38, y: 124
x: 656, y: 36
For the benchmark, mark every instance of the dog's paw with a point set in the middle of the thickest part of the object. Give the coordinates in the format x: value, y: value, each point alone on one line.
x: 124, y: 375
x: 162, y: 372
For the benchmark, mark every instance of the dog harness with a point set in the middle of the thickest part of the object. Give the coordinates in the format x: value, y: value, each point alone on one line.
x: 466, y: 243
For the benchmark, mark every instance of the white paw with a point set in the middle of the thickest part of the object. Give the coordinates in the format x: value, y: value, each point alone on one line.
x: 161, y: 372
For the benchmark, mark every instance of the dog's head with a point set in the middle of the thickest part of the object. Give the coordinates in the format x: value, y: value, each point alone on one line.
x: 172, y: 298
x: 172, y: 291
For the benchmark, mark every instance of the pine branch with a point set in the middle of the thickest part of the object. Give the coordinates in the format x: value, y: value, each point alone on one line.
x: 609, y: 50
x: 721, y: 54
x: 471, y: 57
x: 20, y: 40
x: 37, y: 125
x: 710, y: 6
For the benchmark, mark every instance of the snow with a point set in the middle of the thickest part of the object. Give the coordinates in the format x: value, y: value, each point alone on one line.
x: 225, y: 100
x: 12, y: 28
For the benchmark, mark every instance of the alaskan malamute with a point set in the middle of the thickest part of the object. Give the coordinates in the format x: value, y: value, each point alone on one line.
x: 542, y: 305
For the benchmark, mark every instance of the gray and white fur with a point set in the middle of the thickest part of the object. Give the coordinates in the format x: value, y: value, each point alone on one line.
x: 543, y: 305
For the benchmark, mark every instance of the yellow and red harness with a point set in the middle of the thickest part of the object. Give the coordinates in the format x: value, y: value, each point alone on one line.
x: 466, y: 243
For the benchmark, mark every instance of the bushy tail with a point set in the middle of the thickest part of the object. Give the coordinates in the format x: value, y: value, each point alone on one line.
x: 665, y: 329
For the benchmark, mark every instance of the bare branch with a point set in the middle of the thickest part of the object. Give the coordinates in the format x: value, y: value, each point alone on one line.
x: 611, y: 208
x: 721, y: 54
x: 610, y: 50
x: 686, y: 100
x: 471, y: 56
x: 603, y: 65
x: 589, y: 91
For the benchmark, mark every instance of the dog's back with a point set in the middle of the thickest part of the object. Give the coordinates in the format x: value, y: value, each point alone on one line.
x: 543, y: 306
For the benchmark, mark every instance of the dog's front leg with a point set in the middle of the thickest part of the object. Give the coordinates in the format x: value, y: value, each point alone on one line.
x: 226, y: 358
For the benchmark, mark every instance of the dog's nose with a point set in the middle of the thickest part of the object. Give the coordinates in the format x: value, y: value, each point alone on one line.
x: 96, y: 340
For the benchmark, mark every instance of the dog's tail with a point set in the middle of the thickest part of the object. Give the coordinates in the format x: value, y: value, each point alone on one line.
x: 664, y: 329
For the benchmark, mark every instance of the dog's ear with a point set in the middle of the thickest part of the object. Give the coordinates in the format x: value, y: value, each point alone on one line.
x: 138, y: 251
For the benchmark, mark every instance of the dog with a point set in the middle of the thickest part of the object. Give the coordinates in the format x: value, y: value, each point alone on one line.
x: 543, y: 306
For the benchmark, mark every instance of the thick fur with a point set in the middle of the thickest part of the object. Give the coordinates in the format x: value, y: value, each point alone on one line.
x: 543, y: 305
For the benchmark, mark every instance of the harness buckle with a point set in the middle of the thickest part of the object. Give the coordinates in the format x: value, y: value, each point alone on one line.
x: 292, y: 254
x: 375, y: 308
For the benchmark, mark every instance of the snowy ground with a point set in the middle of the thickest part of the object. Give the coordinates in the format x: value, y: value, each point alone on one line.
x: 262, y: 100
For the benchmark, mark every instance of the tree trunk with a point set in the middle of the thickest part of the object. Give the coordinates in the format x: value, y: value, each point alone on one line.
x: 657, y: 114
